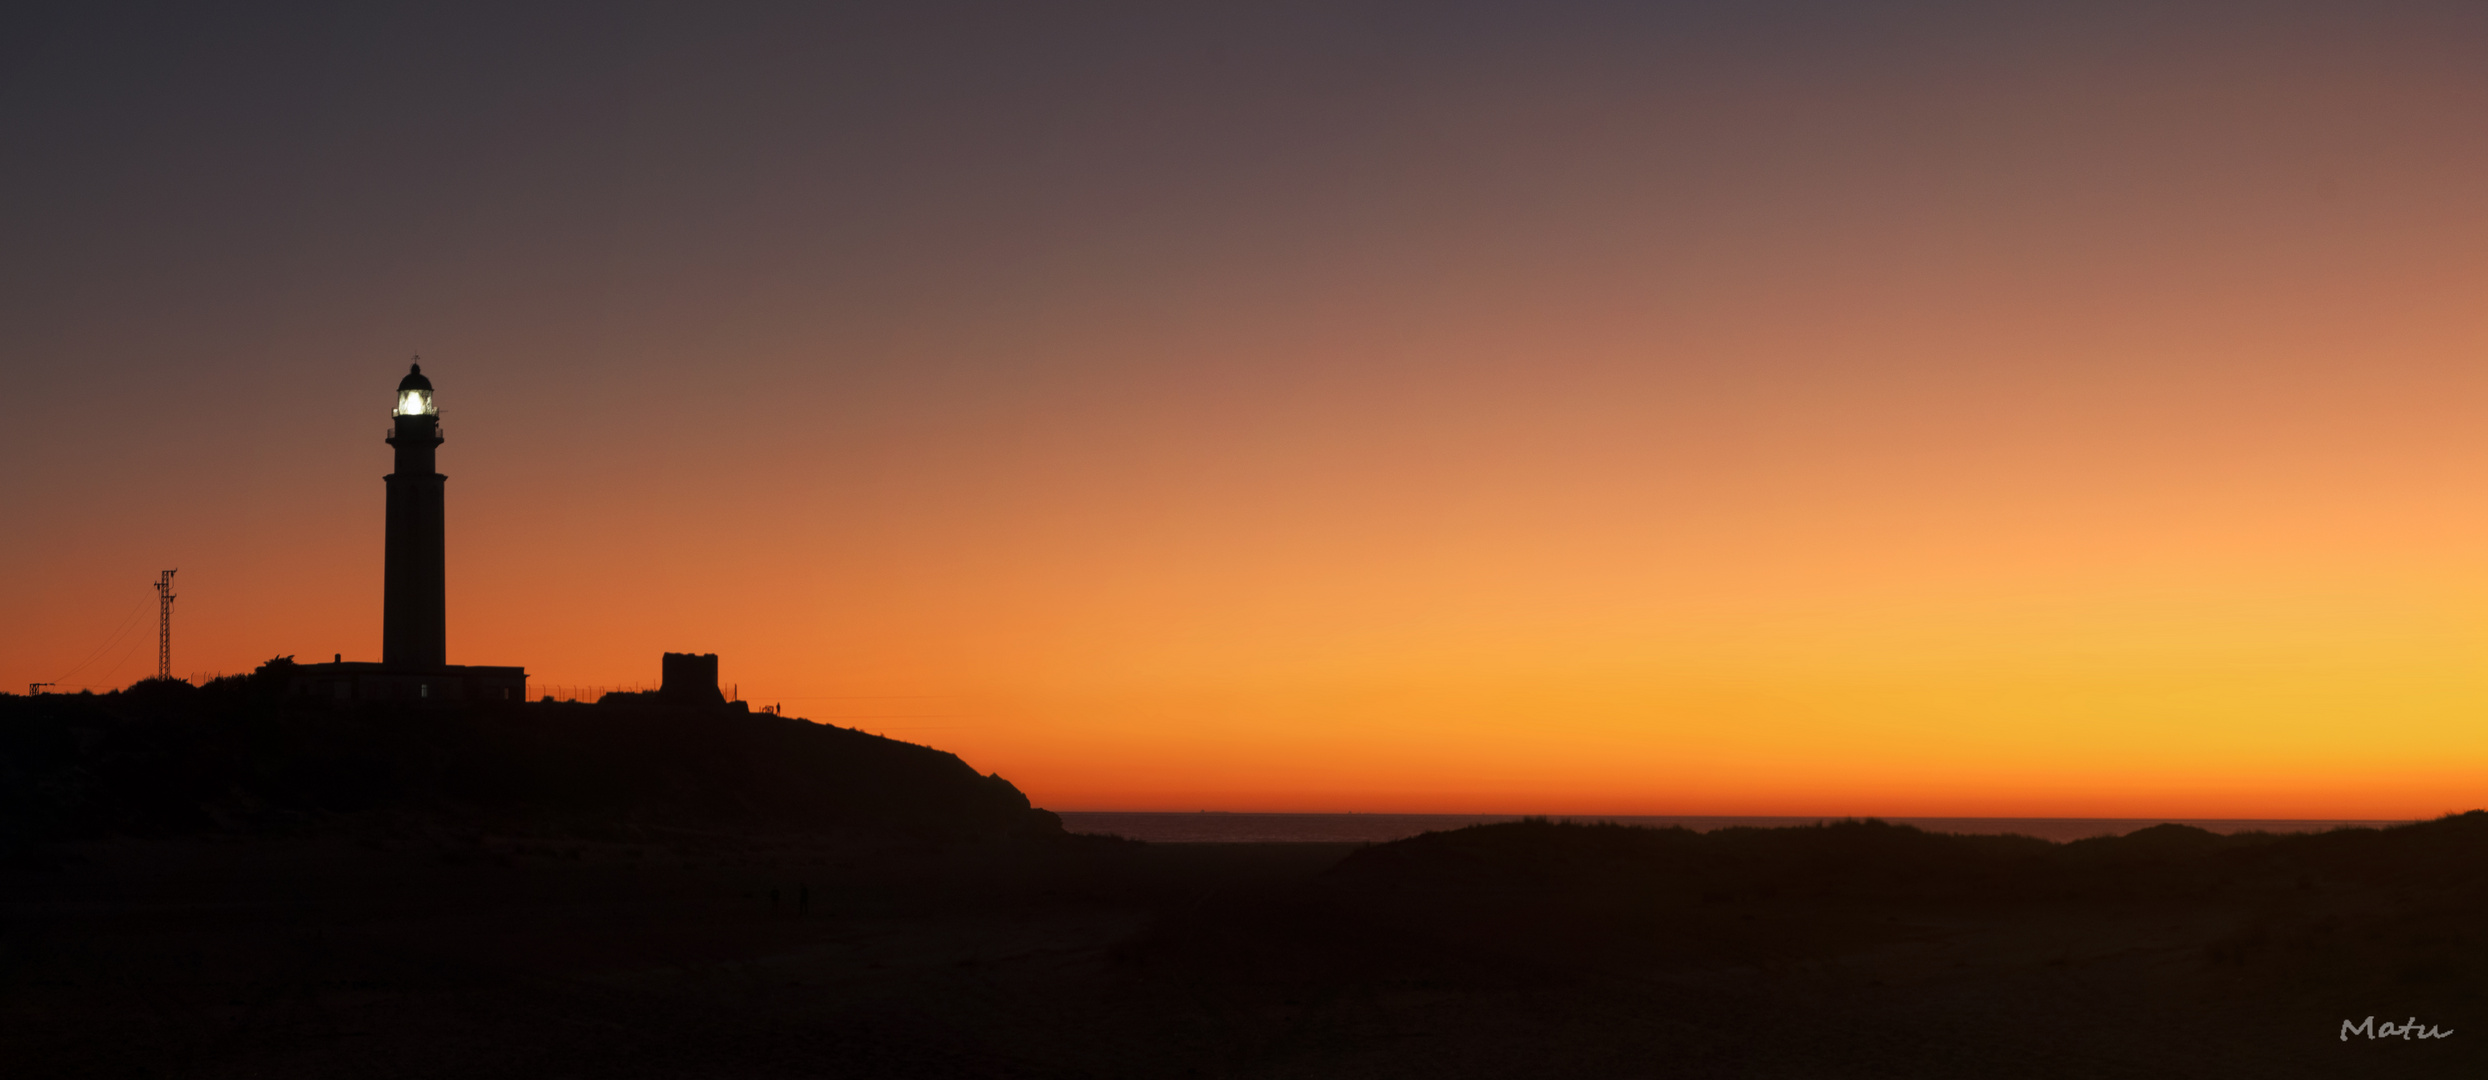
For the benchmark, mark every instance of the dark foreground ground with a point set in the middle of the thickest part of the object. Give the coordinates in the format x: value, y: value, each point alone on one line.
x: 1525, y: 950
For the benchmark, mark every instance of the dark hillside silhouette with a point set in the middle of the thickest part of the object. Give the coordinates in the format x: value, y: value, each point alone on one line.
x: 667, y: 883
x: 755, y: 919
x: 1854, y: 948
x: 1638, y: 894
x: 240, y: 754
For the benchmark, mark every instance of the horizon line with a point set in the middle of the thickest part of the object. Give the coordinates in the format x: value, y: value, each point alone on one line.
x: 1774, y: 817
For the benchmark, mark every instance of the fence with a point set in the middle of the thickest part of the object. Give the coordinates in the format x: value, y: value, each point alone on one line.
x: 535, y: 691
x: 583, y: 693
x: 540, y: 692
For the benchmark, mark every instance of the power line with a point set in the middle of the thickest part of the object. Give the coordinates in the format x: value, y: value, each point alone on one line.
x: 127, y: 621
x: 111, y: 673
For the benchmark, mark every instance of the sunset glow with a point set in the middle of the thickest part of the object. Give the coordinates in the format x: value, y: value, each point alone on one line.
x: 1329, y: 409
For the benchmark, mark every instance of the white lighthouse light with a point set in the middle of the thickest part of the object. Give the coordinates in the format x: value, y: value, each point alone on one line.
x: 414, y: 403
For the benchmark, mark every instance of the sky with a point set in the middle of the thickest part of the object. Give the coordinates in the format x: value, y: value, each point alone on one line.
x: 1757, y: 408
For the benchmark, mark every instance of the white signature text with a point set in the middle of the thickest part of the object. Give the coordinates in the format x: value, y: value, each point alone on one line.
x: 2386, y: 1030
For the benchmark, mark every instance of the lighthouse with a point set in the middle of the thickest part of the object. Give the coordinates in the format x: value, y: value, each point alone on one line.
x: 414, y: 614
x: 414, y: 662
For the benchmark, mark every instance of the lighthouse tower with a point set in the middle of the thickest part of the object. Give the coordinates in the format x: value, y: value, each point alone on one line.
x: 414, y: 615
x: 414, y: 662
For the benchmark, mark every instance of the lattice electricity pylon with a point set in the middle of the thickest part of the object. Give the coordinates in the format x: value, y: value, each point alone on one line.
x: 164, y: 624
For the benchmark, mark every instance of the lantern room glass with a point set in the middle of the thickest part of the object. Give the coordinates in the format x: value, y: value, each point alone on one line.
x: 414, y: 403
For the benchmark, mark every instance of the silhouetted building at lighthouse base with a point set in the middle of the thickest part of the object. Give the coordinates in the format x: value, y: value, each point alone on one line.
x: 445, y: 684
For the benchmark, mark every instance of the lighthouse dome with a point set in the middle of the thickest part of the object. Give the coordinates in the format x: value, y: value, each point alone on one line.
x: 414, y: 395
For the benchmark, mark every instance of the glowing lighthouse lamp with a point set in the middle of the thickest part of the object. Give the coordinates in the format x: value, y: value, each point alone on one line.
x: 414, y: 396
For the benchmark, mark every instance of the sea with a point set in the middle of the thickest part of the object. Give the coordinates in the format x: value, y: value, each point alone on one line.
x: 1217, y: 827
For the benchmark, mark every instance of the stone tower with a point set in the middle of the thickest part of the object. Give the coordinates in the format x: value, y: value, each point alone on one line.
x: 414, y: 621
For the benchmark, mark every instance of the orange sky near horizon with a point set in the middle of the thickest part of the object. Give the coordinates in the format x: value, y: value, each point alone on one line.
x: 1993, y: 414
